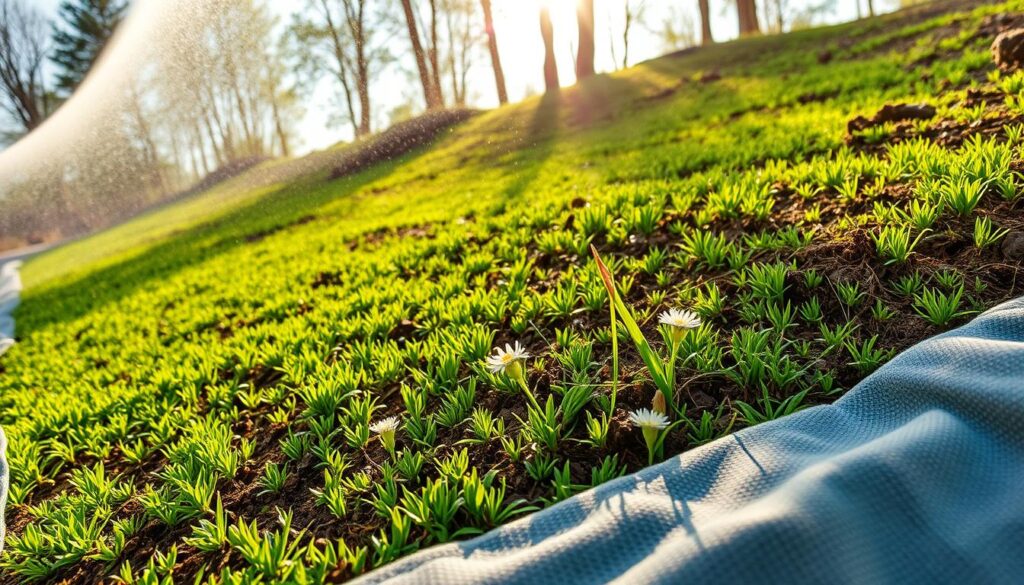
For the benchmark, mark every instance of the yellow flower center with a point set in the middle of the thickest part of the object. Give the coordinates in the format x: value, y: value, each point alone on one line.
x: 507, y: 358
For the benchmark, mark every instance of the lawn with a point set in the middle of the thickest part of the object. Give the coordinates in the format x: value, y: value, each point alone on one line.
x: 287, y: 379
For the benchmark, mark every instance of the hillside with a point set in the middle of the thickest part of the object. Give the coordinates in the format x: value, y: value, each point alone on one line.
x: 210, y: 377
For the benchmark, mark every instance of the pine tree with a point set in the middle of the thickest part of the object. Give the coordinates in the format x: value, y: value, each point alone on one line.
x: 85, y: 27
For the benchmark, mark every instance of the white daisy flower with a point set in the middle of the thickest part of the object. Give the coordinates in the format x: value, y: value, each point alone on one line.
x: 680, y: 319
x: 386, y: 425
x: 648, y: 419
x: 651, y: 423
x: 386, y: 428
x: 510, y: 361
x: 505, y: 358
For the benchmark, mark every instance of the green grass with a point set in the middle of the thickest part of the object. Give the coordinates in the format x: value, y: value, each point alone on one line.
x: 216, y: 376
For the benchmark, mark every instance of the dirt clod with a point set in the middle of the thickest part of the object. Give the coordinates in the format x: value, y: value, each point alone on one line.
x: 892, y: 113
x: 1008, y: 49
x: 710, y: 76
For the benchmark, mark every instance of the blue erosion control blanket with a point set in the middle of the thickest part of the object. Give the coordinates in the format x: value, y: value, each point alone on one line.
x: 10, y: 288
x: 915, y: 476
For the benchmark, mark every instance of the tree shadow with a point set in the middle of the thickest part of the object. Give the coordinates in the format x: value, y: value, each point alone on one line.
x: 537, y: 145
x: 280, y: 209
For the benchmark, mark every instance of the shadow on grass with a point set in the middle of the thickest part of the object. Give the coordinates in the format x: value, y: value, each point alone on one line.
x: 279, y: 209
x: 541, y: 135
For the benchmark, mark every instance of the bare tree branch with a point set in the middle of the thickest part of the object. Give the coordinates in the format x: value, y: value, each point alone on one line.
x: 24, y: 38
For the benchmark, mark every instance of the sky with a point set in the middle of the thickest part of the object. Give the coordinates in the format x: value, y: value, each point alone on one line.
x: 518, y: 32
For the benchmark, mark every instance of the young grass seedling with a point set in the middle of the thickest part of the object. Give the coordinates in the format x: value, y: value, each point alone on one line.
x: 654, y: 364
x: 938, y: 308
x: 985, y: 234
x: 894, y: 244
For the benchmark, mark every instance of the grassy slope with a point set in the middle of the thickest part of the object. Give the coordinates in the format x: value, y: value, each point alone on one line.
x: 177, y: 218
x: 186, y: 363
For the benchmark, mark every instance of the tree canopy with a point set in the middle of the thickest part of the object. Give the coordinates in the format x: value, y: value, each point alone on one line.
x: 83, y: 29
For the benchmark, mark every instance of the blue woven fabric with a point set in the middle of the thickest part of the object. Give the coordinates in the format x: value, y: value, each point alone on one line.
x: 10, y: 289
x: 915, y: 476
x: 4, y: 479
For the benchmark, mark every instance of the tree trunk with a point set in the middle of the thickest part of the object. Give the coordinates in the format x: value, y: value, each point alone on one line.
x: 705, y: 23
x: 347, y: 88
x: 492, y: 47
x: 456, y: 58
x: 550, y: 67
x: 203, y: 158
x: 27, y: 106
x: 747, y: 12
x: 627, y: 24
x: 356, y: 27
x: 178, y: 163
x: 149, y: 150
x: 363, y: 89
x: 212, y: 124
x: 243, y: 116
x: 339, y: 56
x: 871, y: 8
x: 282, y: 136
x: 198, y: 151
x: 429, y: 91
x: 585, y: 51
x: 433, y: 53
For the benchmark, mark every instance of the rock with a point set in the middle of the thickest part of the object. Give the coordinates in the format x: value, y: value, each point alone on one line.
x: 1013, y: 246
x: 1008, y: 49
x: 892, y: 113
x: 824, y: 57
